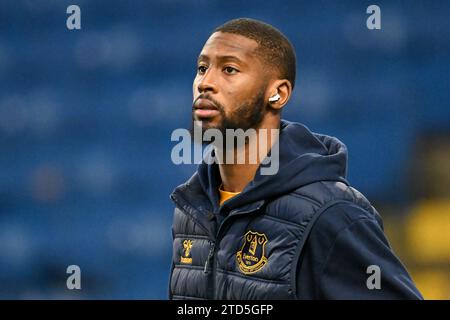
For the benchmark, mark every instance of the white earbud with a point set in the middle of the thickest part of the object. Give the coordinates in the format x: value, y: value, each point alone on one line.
x: 274, y: 98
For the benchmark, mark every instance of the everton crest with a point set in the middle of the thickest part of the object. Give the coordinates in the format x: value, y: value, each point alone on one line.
x: 251, y: 258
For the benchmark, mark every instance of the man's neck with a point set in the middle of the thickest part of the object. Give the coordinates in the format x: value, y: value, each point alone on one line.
x: 236, y: 176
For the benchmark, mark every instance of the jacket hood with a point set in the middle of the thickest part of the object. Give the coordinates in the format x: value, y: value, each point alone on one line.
x: 304, y: 157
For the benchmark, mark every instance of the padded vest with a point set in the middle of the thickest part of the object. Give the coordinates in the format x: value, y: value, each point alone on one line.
x: 255, y: 251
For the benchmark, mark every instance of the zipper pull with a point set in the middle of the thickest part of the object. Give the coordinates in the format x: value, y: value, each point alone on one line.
x: 210, y: 255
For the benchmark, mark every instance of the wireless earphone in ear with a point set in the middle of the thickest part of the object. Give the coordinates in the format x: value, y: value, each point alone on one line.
x: 274, y: 98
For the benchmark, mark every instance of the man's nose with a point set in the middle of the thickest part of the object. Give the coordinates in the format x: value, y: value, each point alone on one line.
x: 207, y: 83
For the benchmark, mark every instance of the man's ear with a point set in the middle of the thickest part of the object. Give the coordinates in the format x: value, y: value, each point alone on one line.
x: 279, y: 92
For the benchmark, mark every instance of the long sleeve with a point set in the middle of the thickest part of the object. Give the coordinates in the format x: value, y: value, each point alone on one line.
x: 343, y: 243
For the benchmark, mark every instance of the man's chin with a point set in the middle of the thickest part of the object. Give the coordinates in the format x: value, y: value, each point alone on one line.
x: 207, y: 123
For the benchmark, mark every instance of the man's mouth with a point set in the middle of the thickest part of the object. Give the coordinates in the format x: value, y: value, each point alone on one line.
x: 204, y: 108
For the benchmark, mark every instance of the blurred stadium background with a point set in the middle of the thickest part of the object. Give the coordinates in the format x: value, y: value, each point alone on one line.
x: 86, y: 118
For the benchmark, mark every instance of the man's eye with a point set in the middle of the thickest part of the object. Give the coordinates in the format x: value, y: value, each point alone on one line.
x: 201, y: 69
x: 231, y: 70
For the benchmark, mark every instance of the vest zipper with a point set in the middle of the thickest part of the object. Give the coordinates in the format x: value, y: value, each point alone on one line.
x: 213, y: 248
x: 210, y: 258
x: 210, y: 255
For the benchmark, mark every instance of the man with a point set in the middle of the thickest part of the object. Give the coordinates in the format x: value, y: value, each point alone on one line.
x: 301, y: 233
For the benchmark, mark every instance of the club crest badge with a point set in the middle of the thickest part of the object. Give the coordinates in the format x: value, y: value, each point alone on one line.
x: 251, y: 258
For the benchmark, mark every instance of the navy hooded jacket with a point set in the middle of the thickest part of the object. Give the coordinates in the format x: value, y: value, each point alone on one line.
x: 302, y: 233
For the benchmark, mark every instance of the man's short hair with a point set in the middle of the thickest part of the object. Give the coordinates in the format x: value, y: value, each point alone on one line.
x: 275, y: 49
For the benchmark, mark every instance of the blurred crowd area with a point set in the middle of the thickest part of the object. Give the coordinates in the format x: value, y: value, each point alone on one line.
x: 86, y: 117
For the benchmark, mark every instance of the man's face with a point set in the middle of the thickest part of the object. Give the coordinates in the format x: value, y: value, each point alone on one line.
x: 230, y: 84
